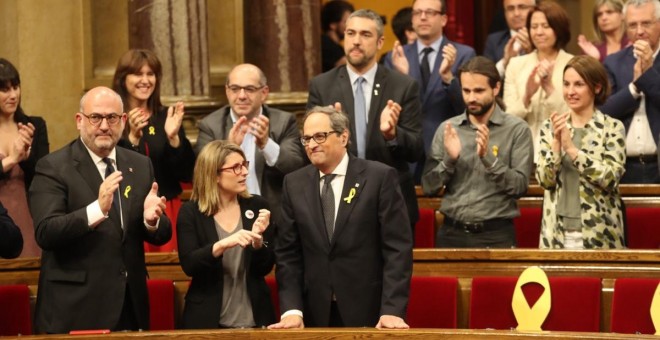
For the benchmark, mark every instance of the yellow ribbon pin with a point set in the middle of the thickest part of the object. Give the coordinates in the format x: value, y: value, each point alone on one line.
x: 495, y: 150
x: 126, y: 191
x: 350, y: 196
x: 152, y: 130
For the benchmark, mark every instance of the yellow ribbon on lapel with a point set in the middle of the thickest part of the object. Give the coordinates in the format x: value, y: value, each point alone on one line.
x: 531, y: 319
x: 126, y: 191
x: 350, y: 196
x: 655, y: 310
x: 152, y: 130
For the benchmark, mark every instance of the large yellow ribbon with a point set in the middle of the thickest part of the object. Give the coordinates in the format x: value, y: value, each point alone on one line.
x: 531, y: 319
x: 655, y: 310
x: 350, y: 196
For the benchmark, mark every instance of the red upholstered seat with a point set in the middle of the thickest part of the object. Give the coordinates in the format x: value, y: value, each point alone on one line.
x: 161, y: 304
x: 172, y: 211
x: 274, y: 296
x: 528, y: 227
x: 575, y: 303
x: 631, y: 305
x: 425, y: 229
x: 432, y: 302
x: 15, y: 310
x: 643, y: 230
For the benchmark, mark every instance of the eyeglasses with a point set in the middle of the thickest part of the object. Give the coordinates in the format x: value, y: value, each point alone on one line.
x: 96, y: 119
x: 645, y: 25
x: 430, y: 13
x: 235, y: 89
x: 319, y: 137
x: 237, y: 168
x: 520, y: 8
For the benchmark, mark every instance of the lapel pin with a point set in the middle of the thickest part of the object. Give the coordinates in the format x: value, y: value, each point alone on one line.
x: 249, y: 214
x: 495, y: 150
x: 350, y: 196
x: 357, y: 185
x: 126, y: 191
x: 377, y: 85
x: 152, y: 130
x: 130, y: 169
x: 375, y: 92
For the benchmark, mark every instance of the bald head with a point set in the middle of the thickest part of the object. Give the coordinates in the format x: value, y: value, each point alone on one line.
x: 101, y: 120
x: 246, y: 90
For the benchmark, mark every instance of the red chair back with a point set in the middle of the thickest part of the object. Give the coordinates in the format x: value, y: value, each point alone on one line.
x: 528, y: 227
x: 642, y: 228
x: 432, y: 302
x: 274, y: 295
x: 425, y: 229
x: 631, y: 305
x: 575, y: 303
x: 15, y: 310
x: 161, y: 304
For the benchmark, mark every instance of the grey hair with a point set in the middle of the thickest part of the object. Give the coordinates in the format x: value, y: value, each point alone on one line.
x: 338, y: 119
x: 638, y: 3
x: 117, y: 96
x: 371, y: 15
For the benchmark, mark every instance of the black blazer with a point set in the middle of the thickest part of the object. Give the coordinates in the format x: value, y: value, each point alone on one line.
x: 85, y: 272
x: 39, y: 145
x: 368, y: 262
x: 11, y: 240
x: 335, y: 86
x: 196, y: 234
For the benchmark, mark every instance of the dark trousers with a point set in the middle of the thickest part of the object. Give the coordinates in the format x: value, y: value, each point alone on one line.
x: 641, y: 173
x: 335, y: 318
x: 449, y: 236
x: 127, y: 319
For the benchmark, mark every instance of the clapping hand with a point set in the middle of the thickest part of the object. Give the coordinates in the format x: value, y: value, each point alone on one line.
x: 173, y: 123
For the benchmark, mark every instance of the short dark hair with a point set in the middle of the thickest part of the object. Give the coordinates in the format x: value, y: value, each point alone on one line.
x: 131, y: 62
x: 485, y: 67
x: 594, y: 74
x: 557, y: 19
x: 443, y: 6
x: 402, y: 22
x: 333, y: 11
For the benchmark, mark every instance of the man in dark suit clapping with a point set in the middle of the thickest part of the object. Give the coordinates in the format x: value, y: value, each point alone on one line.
x: 91, y: 221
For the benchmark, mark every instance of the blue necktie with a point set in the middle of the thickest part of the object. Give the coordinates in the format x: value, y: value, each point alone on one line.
x: 360, y: 119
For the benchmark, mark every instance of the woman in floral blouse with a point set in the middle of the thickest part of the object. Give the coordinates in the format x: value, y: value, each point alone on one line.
x: 580, y: 162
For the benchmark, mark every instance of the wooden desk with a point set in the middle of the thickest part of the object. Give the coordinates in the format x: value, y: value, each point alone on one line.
x: 347, y: 333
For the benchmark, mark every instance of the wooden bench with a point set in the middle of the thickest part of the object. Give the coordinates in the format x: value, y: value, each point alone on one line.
x: 463, y: 264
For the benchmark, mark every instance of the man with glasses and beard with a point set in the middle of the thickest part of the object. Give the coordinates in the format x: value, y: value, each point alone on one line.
x: 483, y: 159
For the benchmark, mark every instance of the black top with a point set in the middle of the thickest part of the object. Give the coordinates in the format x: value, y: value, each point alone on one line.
x: 330, y: 53
x: 171, y: 165
x: 39, y: 145
x: 11, y: 240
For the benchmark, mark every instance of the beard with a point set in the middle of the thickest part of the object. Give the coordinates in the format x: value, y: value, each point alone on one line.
x: 482, y: 110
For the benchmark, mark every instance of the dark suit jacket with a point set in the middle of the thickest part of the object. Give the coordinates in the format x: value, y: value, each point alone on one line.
x: 439, y: 101
x: 85, y: 272
x: 621, y: 104
x: 495, y: 43
x: 368, y: 262
x: 283, y: 131
x: 335, y: 86
x: 196, y: 233
x: 11, y: 240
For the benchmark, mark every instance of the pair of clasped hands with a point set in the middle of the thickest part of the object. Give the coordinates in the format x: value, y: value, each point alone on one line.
x: 154, y: 206
x: 243, y: 237
x: 562, y: 139
x: 21, y: 148
x: 453, y: 143
x: 138, y: 119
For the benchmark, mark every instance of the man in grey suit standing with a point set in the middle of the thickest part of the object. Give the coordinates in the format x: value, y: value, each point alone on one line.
x: 269, y: 137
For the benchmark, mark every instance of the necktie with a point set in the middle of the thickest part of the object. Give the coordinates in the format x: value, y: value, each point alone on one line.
x: 328, y: 204
x: 360, y: 119
x: 424, y: 67
x: 109, y: 169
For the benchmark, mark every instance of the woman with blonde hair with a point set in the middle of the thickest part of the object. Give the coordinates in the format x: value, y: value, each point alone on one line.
x: 609, y: 28
x: 580, y: 163
x: 225, y: 244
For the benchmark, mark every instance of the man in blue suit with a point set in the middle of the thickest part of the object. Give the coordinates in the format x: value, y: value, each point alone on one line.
x: 432, y: 61
x: 499, y: 45
x: 634, y: 74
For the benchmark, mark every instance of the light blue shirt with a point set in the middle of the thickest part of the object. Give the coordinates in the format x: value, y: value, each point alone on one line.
x: 271, y: 153
x: 432, y: 55
x: 367, y: 86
